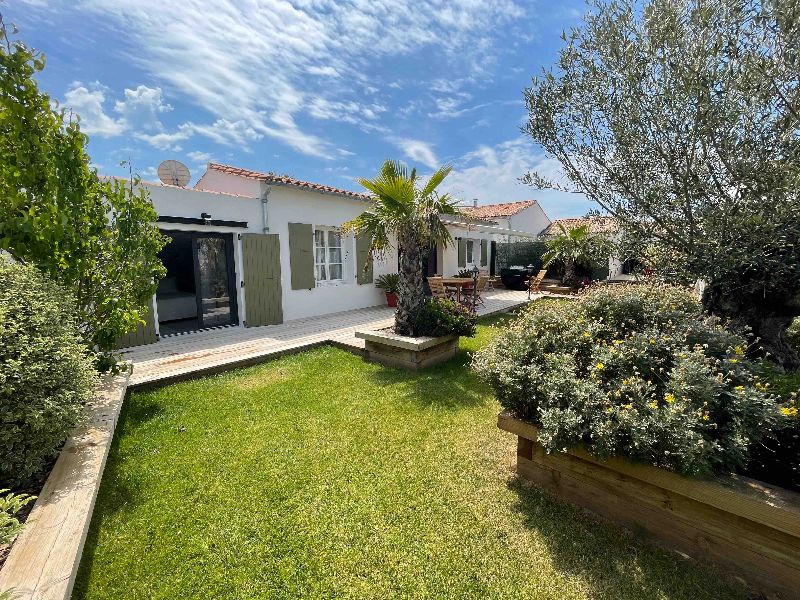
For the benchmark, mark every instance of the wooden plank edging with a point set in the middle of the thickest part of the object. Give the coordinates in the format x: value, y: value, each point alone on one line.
x: 754, y: 500
x: 44, y: 559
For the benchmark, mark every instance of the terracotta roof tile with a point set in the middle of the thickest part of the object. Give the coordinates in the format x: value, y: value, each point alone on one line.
x: 505, y: 209
x: 284, y: 180
x: 596, y: 225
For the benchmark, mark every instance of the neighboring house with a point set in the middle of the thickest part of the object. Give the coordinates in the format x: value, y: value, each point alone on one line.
x: 617, y: 269
x: 250, y: 249
x: 526, y: 216
x: 477, y: 232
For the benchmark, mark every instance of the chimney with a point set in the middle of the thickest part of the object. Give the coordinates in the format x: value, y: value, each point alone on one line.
x: 474, y: 203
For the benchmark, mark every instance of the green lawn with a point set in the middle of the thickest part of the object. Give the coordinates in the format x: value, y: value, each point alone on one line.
x: 318, y: 475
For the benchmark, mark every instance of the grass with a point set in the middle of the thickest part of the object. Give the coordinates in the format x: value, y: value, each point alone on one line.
x: 319, y: 475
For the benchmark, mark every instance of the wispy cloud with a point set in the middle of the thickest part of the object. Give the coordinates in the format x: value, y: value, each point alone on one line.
x: 492, y: 173
x: 224, y: 56
x: 419, y: 151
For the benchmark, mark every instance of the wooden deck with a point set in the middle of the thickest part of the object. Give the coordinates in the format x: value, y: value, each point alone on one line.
x: 185, y: 356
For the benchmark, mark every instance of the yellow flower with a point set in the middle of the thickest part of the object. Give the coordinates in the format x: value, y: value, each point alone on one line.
x: 617, y: 342
x: 706, y: 416
x: 734, y: 360
x: 652, y: 341
x: 627, y: 406
x: 789, y: 411
x: 669, y: 398
x: 739, y: 350
x: 739, y: 388
x: 586, y: 334
x: 600, y: 366
x: 653, y: 405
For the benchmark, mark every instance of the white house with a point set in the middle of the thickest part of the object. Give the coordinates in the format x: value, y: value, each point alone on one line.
x: 250, y: 249
x: 525, y: 216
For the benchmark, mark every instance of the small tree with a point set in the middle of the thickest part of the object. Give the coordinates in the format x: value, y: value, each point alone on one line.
x: 573, y: 248
x: 95, y: 237
x: 408, y: 213
x: 682, y: 120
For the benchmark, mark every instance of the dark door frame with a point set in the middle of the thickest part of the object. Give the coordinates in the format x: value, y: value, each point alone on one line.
x: 230, y: 265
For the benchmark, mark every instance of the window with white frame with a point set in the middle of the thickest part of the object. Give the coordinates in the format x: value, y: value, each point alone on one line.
x: 470, y: 251
x: 328, y: 255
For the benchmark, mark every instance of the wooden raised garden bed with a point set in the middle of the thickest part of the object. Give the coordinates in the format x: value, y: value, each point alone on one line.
x: 741, y: 524
x: 411, y: 353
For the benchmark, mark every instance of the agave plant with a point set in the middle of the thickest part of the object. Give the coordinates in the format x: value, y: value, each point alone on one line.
x: 405, y: 212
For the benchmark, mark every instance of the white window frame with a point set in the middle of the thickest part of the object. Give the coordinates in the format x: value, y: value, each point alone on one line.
x: 327, y: 247
x: 470, y: 251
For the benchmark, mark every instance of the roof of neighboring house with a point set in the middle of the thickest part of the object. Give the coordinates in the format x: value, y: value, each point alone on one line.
x: 596, y: 225
x: 506, y: 209
x: 285, y: 180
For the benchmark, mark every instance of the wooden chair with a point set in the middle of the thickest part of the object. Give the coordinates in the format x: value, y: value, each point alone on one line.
x: 472, y: 296
x: 535, y: 282
x: 437, y: 287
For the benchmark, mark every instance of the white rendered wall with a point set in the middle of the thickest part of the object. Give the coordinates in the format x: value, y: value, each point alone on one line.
x: 285, y: 205
x: 532, y: 220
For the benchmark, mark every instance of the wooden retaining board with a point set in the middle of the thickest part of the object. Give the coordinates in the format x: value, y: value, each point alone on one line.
x: 746, y: 526
x: 44, y: 559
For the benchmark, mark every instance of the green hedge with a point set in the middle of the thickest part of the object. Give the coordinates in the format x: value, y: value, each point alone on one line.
x: 46, y: 375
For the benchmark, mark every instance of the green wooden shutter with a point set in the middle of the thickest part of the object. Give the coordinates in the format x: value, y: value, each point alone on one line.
x: 462, y: 253
x: 363, y: 259
x: 484, y: 253
x: 261, y: 263
x: 301, y: 256
x: 143, y: 334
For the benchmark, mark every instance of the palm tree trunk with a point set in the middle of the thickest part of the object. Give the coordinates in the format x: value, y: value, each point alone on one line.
x: 569, y: 273
x: 411, y: 292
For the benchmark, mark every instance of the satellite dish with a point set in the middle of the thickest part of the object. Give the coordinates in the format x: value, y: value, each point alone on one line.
x: 173, y: 172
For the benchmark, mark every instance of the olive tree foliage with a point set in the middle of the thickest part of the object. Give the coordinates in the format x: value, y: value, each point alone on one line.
x: 681, y: 119
x: 93, y: 236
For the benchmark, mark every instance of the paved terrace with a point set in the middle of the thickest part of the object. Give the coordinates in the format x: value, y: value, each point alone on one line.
x: 181, y: 357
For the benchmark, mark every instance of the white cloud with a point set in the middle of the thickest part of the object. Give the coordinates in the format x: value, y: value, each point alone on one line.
x: 419, y: 151
x: 491, y: 174
x: 199, y: 157
x: 326, y: 71
x: 139, y: 112
x: 222, y: 57
x: 142, y: 106
x: 88, y: 104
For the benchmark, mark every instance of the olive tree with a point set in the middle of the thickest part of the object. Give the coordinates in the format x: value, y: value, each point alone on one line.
x: 681, y: 119
x: 94, y: 236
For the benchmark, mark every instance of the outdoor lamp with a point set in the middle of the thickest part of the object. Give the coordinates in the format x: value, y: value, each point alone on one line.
x: 206, y: 217
x: 530, y: 269
x: 475, y: 272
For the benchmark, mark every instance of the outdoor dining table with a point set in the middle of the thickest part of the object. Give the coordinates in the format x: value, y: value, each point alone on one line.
x: 459, y: 283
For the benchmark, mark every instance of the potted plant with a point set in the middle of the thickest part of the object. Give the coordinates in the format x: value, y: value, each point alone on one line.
x: 409, y: 212
x: 389, y: 283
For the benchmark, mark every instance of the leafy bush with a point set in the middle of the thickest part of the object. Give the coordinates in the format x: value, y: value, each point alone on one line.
x: 465, y: 273
x: 636, y: 371
x: 439, y: 317
x: 46, y: 375
x: 10, y: 505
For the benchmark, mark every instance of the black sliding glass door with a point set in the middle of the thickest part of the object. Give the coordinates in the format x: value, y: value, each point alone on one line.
x: 199, y: 288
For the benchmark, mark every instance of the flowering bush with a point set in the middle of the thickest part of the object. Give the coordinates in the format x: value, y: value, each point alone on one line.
x: 438, y: 317
x: 636, y: 371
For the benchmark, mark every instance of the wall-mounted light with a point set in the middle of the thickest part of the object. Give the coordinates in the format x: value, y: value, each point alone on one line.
x: 206, y: 217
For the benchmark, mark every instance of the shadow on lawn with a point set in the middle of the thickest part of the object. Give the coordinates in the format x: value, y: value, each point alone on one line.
x: 451, y: 384
x: 616, y: 563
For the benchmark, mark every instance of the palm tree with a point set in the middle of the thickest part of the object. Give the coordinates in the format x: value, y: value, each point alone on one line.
x: 410, y: 214
x: 573, y: 247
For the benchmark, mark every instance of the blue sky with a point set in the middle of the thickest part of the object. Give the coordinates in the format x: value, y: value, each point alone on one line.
x: 322, y: 90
